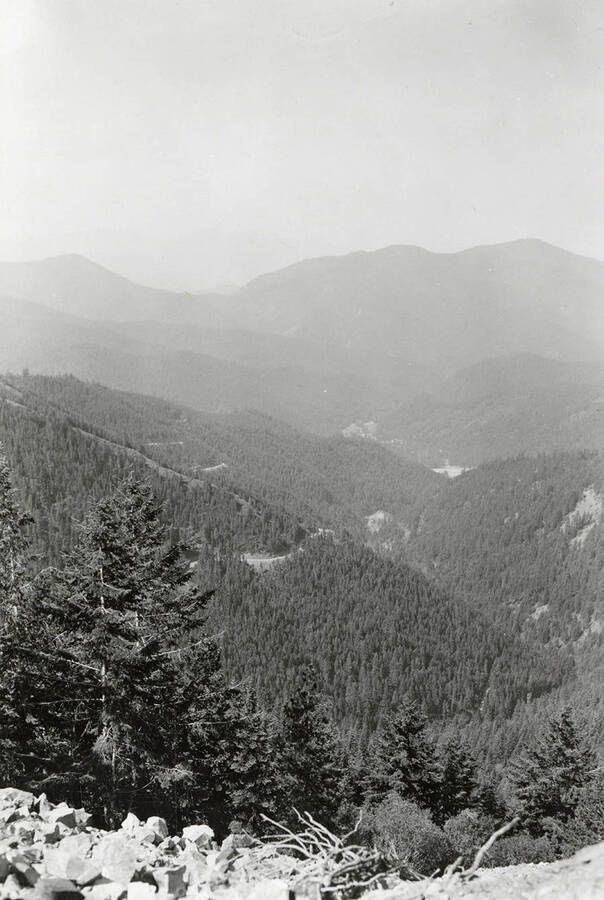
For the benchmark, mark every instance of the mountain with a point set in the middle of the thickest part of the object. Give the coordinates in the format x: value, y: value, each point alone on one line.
x: 434, y: 348
x: 501, y: 407
x: 76, y: 285
x: 167, y: 361
x: 444, y: 310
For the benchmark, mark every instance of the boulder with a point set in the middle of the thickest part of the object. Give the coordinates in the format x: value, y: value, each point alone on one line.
x: 171, y: 881
x: 56, y: 889
x: 15, y: 797
x: 82, y: 871
x: 131, y: 823
x: 10, y: 889
x: 141, y: 890
x: 158, y: 826
x: 62, y: 815
x: 117, y: 857
x: 21, y: 866
x: 200, y: 835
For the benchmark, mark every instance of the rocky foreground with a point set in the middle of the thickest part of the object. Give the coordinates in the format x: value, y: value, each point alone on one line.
x: 52, y: 852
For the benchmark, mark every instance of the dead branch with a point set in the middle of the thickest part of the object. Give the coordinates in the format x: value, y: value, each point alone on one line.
x: 468, y: 873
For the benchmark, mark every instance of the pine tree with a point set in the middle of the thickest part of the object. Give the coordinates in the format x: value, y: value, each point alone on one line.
x: 458, y: 782
x: 14, y: 548
x: 313, y: 755
x: 104, y: 666
x: 13, y: 542
x: 548, y: 779
x: 404, y: 760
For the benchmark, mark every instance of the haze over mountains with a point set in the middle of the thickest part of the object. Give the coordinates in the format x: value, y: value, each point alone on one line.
x: 467, y: 356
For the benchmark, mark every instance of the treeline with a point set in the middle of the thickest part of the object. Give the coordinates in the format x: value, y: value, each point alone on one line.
x: 112, y: 696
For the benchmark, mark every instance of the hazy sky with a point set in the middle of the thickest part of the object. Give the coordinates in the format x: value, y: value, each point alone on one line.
x: 186, y: 142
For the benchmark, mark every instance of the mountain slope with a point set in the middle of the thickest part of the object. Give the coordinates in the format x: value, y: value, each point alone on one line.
x: 327, y: 342
x: 312, y: 481
x: 75, y: 285
x: 323, y: 397
x: 499, y: 408
x: 442, y: 309
x: 504, y: 621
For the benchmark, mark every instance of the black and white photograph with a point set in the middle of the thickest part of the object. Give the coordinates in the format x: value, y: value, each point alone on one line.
x: 301, y: 449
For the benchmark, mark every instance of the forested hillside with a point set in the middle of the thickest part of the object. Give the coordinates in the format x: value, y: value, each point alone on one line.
x: 501, y: 407
x: 523, y: 540
x: 60, y: 464
x: 320, y: 482
x: 503, y: 624
x: 378, y: 632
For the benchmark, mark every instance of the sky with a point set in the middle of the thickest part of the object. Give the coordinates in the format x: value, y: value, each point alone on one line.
x: 193, y: 143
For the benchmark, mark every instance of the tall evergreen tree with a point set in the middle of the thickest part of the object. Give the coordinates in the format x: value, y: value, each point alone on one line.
x: 14, y: 547
x: 548, y: 779
x: 404, y: 760
x: 122, y: 691
x: 458, y: 781
x: 13, y: 541
x: 312, y: 753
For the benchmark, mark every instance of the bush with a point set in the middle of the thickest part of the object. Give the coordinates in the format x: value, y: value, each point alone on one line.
x: 519, y: 848
x: 587, y: 825
x: 406, y: 833
x: 468, y: 831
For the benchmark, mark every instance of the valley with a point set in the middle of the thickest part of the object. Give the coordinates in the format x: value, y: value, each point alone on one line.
x: 400, y: 532
x: 344, y: 528
x: 301, y: 450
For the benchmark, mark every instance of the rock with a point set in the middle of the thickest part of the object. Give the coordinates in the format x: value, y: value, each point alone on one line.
x: 42, y: 806
x: 82, y: 871
x: 4, y: 867
x: 10, y: 889
x: 82, y: 817
x: 22, y: 867
x: 77, y: 844
x: 141, y: 890
x: 158, y: 826
x: 196, y: 864
x: 62, y: 815
x: 15, y: 813
x: 117, y: 857
x: 171, y: 881
x: 48, y: 832
x: 146, y: 835
x: 109, y: 890
x: 15, y: 797
x: 131, y: 822
x: 169, y: 845
x: 201, y: 835
x: 58, y: 857
x: 56, y: 889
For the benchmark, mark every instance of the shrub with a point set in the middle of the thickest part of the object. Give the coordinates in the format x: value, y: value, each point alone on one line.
x: 404, y: 832
x: 468, y: 831
x: 587, y: 825
x: 519, y: 848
